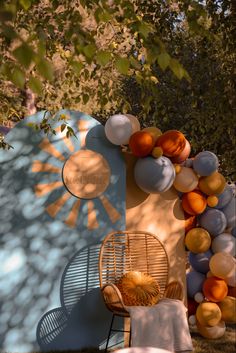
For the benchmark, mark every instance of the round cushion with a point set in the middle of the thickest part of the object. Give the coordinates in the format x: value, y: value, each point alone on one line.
x: 138, y: 289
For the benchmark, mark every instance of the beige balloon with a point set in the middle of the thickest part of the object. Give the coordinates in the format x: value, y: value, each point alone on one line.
x: 186, y: 180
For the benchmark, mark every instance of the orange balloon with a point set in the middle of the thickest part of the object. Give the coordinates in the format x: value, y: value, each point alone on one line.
x: 213, y: 184
x: 190, y: 222
x: 194, y: 202
x: 215, y: 289
x: 141, y: 143
x: 172, y: 143
x: 183, y: 155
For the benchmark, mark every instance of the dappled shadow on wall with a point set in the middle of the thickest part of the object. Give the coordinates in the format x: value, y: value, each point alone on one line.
x: 82, y: 320
x: 41, y: 230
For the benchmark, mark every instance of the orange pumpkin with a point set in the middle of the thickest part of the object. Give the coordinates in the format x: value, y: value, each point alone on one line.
x: 172, y: 143
x: 215, y: 289
x: 141, y: 143
x: 194, y: 202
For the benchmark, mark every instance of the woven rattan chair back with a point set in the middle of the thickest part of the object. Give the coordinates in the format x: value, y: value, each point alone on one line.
x: 125, y: 251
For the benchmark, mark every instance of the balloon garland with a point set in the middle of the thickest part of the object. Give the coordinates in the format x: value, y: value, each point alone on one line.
x: 209, y: 208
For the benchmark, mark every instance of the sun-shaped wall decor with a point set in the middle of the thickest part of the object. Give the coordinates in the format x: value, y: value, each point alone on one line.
x: 83, y: 175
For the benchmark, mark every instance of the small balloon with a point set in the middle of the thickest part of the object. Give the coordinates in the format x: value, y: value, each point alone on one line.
x: 230, y: 213
x: 141, y: 143
x: 118, y: 129
x: 186, y: 180
x: 192, y: 320
x: 205, y: 163
x: 228, y: 309
x: 154, y: 132
x: 213, y: 184
x: 134, y: 122
x: 224, y: 242
x: 222, y: 264
x: 208, y: 314
x: 212, y: 332
x: 212, y: 201
x: 200, y: 262
x: 198, y: 297
x: 213, y: 221
x: 154, y: 175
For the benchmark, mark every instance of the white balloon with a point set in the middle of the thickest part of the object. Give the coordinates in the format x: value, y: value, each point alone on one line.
x: 192, y: 320
x: 198, y: 297
x: 134, y: 122
x: 224, y: 242
x: 118, y: 129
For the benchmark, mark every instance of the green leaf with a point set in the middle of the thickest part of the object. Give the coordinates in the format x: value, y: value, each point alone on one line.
x: 163, y: 60
x: 45, y: 69
x: 177, y: 68
x: 85, y: 98
x: 63, y: 126
x: 135, y: 63
x: 144, y: 29
x: 24, y: 54
x: 25, y: 4
x: 18, y: 77
x: 103, y: 57
x: 122, y: 65
x: 77, y: 66
x: 9, y: 31
x: 89, y: 50
x: 35, y: 85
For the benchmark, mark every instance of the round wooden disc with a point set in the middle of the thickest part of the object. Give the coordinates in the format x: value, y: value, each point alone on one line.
x: 86, y: 174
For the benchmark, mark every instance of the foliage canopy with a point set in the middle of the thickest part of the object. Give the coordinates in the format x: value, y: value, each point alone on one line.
x: 169, y: 62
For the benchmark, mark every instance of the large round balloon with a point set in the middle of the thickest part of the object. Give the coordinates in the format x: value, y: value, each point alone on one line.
x: 134, y: 122
x: 154, y: 175
x: 194, y: 283
x: 200, y: 262
x: 194, y: 202
x: 141, y: 143
x: 230, y: 213
x: 228, y: 309
x: 172, y: 143
x: 222, y: 264
x: 224, y: 242
x: 212, y: 184
x: 198, y: 240
x: 208, y: 314
x: 183, y: 155
x: 215, y: 289
x: 212, y: 332
x: 205, y: 163
x: 225, y: 197
x: 153, y: 131
x: 213, y: 221
x: 186, y: 180
x: 118, y: 129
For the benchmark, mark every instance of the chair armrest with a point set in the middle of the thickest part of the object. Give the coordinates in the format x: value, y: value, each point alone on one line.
x: 174, y: 290
x: 113, y: 298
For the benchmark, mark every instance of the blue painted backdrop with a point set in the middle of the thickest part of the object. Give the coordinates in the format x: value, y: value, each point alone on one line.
x: 49, y: 296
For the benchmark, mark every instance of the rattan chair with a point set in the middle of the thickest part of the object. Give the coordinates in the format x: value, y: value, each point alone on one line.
x: 125, y: 251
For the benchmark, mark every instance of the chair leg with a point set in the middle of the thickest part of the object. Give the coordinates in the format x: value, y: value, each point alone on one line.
x: 130, y: 337
x: 109, y: 334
